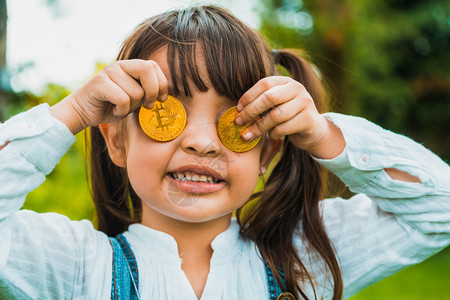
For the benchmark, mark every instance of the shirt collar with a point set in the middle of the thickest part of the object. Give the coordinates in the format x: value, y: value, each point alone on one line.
x: 162, y: 247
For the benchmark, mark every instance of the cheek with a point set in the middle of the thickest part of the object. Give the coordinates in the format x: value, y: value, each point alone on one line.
x: 146, y: 163
x: 245, y: 175
x: 138, y: 174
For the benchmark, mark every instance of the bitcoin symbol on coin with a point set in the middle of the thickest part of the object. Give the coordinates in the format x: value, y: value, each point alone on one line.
x: 165, y: 121
x: 164, y: 116
x: 234, y: 132
x: 230, y: 133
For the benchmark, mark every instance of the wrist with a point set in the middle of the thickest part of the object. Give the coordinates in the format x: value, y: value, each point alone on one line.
x: 331, y: 144
x: 68, y: 115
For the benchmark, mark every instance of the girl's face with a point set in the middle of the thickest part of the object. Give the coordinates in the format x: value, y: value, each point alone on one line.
x: 153, y: 166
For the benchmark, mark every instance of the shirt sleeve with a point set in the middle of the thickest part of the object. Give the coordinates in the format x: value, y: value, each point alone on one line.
x: 389, y: 224
x: 42, y: 256
x: 29, y: 156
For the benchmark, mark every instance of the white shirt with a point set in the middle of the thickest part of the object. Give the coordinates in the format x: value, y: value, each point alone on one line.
x: 387, y: 226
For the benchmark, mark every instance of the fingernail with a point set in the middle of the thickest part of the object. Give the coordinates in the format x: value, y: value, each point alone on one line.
x: 247, y: 135
x: 239, y: 121
x: 164, y: 97
x: 239, y: 106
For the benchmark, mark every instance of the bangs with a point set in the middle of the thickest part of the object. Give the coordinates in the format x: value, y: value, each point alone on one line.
x: 235, y: 56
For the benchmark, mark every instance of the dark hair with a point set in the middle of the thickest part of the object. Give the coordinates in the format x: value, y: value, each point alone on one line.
x: 236, y: 57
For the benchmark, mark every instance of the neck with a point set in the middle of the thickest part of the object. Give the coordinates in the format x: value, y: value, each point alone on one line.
x: 193, y: 240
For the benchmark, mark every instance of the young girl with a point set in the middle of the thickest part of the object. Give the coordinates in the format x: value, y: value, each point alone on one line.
x: 164, y: 208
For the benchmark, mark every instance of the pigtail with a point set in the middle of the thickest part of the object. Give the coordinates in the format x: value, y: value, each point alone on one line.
x: 291, y: 196
x: 302, y: 71
x: 116, y: 204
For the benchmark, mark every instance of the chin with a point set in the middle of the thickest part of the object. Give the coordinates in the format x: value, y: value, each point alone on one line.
x: 189, y: 208
x: 197, y: 215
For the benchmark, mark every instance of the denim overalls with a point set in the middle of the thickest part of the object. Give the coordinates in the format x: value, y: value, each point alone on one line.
x: 125, y: 275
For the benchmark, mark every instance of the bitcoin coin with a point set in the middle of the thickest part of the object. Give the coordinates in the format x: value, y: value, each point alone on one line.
x: 230, y: 133
x: 165, y: 121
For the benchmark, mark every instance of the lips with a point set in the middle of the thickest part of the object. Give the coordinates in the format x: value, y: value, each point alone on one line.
x: 196, y: 179
x: 193, y: 187
x: 199, y: 170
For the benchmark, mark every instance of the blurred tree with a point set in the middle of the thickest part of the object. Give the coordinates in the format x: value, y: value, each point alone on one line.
x: 65, y: 191
x: 5, y: 88
x: 400, y: 54
x: 387, y: 60
x: 3, y: 23
x: 8, y: 98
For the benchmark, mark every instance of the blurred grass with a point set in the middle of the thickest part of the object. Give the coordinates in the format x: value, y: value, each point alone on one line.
x: 427, y: 280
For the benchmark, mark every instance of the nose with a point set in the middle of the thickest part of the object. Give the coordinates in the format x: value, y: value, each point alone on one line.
x: 200, y: 138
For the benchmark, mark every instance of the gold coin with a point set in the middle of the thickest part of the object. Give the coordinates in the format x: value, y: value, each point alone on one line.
x: 165, y: 121
x: 230, y: 133
x: 286, y: 296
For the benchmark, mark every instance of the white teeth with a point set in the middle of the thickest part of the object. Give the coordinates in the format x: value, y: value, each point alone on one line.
x: 195, y: 177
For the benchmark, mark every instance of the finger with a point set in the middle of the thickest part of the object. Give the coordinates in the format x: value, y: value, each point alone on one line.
x: 270, y: 98
x: 143, y: 70
x: 128, y: 84
x: 301, y: 123
x: 162, y: 83
x: 150, y: 83
x: 260, y: 87
x: 277, y: 115
x: 118, y: 97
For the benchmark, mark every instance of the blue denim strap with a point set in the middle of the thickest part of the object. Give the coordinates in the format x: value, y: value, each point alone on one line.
x: 272, y: 285
x: 125, y: 275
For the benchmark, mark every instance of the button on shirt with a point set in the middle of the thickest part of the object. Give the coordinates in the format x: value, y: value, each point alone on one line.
x: 386, y: 226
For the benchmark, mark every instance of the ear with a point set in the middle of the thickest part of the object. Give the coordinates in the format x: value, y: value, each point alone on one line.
x: 113, y: 144
x: 270, y: 149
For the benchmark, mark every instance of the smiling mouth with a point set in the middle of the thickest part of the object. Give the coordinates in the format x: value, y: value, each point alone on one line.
x: 194, y: 177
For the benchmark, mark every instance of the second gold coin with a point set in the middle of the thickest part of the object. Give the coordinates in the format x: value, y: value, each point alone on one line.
x: 230, y: 133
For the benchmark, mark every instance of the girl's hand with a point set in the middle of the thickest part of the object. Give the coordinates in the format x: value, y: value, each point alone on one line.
x: 117, y: 90
x: 281, y: 106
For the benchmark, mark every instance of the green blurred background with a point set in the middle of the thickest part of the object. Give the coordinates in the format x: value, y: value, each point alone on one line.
x: 385, y: 60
